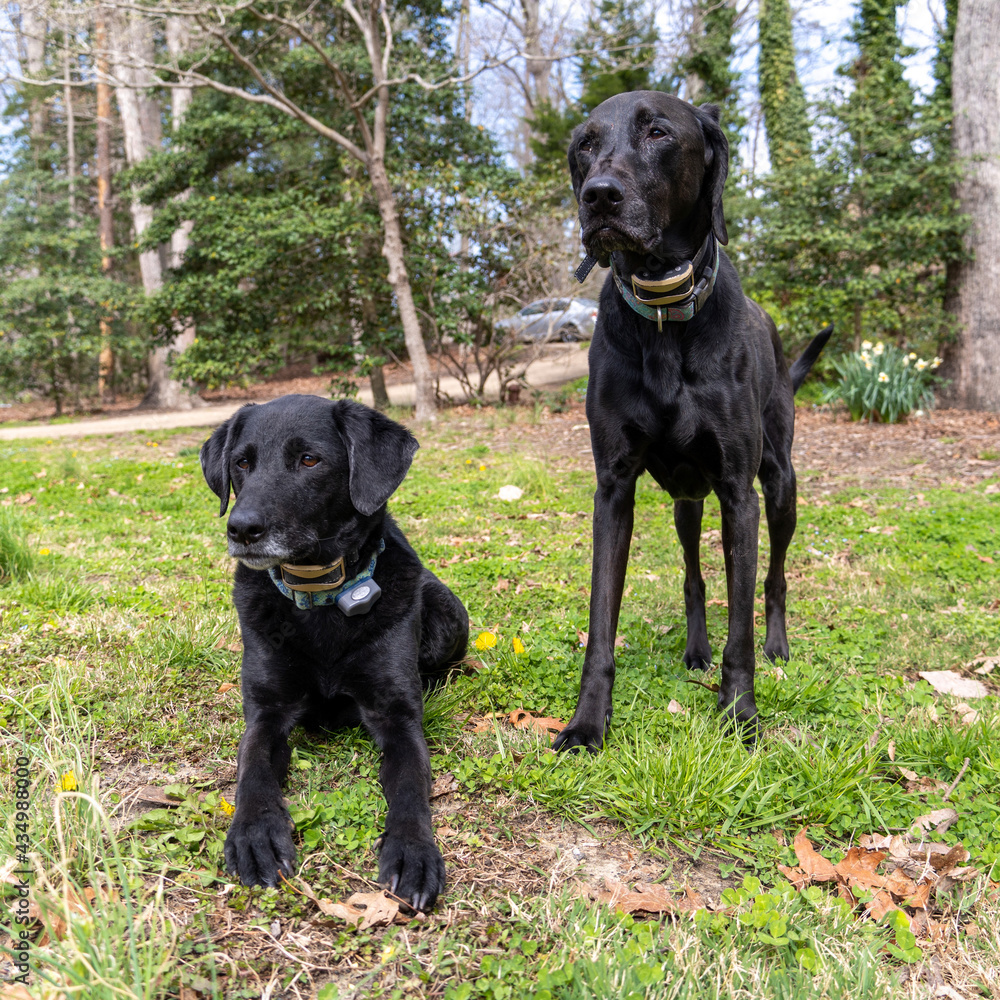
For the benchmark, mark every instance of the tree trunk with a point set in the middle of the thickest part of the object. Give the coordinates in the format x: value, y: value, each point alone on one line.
x: 399, y: 279
x: 973, y: 362
x: 140, y: 114
x: 33, y: 28
x: 106, y: 358
x: 380, y: 395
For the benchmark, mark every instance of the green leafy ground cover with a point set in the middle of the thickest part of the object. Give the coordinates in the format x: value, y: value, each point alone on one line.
x: 121, y: 688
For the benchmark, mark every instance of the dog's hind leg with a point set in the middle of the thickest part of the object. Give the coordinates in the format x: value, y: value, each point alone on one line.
x: 777, y: 478
x: 687, y: 520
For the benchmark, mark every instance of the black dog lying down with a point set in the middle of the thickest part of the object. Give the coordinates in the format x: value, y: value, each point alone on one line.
x: 341, y: 623
x: 688, y: 381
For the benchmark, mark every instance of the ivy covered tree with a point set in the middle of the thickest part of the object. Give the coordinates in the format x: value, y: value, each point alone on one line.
x: 786, y: 117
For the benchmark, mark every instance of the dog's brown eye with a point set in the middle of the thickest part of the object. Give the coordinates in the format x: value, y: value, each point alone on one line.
x: 243, y: 464
x: 585, y: 145
x: 309, y: 460
x: 656, y: 133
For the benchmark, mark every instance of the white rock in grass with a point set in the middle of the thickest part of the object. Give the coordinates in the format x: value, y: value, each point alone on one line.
x: 948, y: 682
x: 510, y: 493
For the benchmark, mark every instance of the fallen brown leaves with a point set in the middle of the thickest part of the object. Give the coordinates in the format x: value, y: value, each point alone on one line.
x: 520, y: 718
x: 646, y: 897
x: 362, y: 910
x: 911, y: 872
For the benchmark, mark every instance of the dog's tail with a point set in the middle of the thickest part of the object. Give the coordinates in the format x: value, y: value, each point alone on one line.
x: 800, y: 369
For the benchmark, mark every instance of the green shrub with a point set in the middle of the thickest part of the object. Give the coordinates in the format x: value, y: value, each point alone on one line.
x: 16, y: 560
x: 883, y: 383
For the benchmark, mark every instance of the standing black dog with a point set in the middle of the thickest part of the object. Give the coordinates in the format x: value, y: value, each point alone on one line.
x: 687, y: 380
x: 341, y: 624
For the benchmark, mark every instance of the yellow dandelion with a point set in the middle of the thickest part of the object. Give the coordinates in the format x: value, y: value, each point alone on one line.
x: 485, y: 640
x: 226, y: 807
x: 518, y: 646
x: 43, y: 552
x: 67, y: 783
x: 882, y: 377
x: 482, y: 468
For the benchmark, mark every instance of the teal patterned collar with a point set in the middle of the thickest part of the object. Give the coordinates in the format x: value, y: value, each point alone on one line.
x: 678, y: 312
x: 348, y: 596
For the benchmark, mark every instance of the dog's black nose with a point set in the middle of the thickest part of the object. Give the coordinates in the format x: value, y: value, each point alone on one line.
x: 246, y: 526
x: 602, y: 193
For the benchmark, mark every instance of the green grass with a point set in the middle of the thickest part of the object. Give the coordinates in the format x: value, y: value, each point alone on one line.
x: 118, y: 625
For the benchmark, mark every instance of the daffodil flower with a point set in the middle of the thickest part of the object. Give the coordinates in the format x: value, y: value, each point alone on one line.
x: 882, y: 377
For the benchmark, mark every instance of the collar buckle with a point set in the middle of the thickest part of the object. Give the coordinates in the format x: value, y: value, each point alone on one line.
x: 681, y: 277
x: 309, y: 579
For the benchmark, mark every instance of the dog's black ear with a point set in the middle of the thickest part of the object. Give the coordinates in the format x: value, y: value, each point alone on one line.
x: 716, y: 166
x: 215, y: 454
x: 575, y: 174
x: 379, y: 452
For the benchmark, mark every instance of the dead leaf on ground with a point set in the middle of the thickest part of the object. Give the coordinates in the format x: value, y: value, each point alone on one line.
x: 521, y: 718
x: 364, y: 909
x: 796, y: 876
x: 948, y: 682
x: 646, y: 898
x: 155, y: 796
x: 858, y: 868
x: 939, y: 819
x: 444, y: 785
x: 811, y: 861
x: 14, y: 991
x: 986, y: 664
x: 233, y: 645
x: 223, y: 688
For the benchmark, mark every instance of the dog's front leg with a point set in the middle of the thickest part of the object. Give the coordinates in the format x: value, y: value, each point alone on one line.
x: 613, y: 514
x: 740, y: 520
x: 259, y: 843
x: 409, y: 860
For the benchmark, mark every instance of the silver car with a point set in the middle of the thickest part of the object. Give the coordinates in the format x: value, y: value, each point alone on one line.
x: 567, y: 320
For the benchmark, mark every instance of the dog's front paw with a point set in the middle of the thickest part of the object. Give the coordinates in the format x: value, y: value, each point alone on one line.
x: 413, y: 869
x: 582, y: 734
x: 260, y: 848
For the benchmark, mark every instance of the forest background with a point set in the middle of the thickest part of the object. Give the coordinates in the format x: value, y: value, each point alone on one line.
x: 201, y: 192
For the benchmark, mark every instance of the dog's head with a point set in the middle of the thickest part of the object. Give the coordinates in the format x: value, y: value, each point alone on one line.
x: 303, y: 469
x: 648, y: 170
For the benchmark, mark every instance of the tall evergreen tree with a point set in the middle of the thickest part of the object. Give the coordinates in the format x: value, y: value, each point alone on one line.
x: 614, y: 55
x: 862, y: 235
